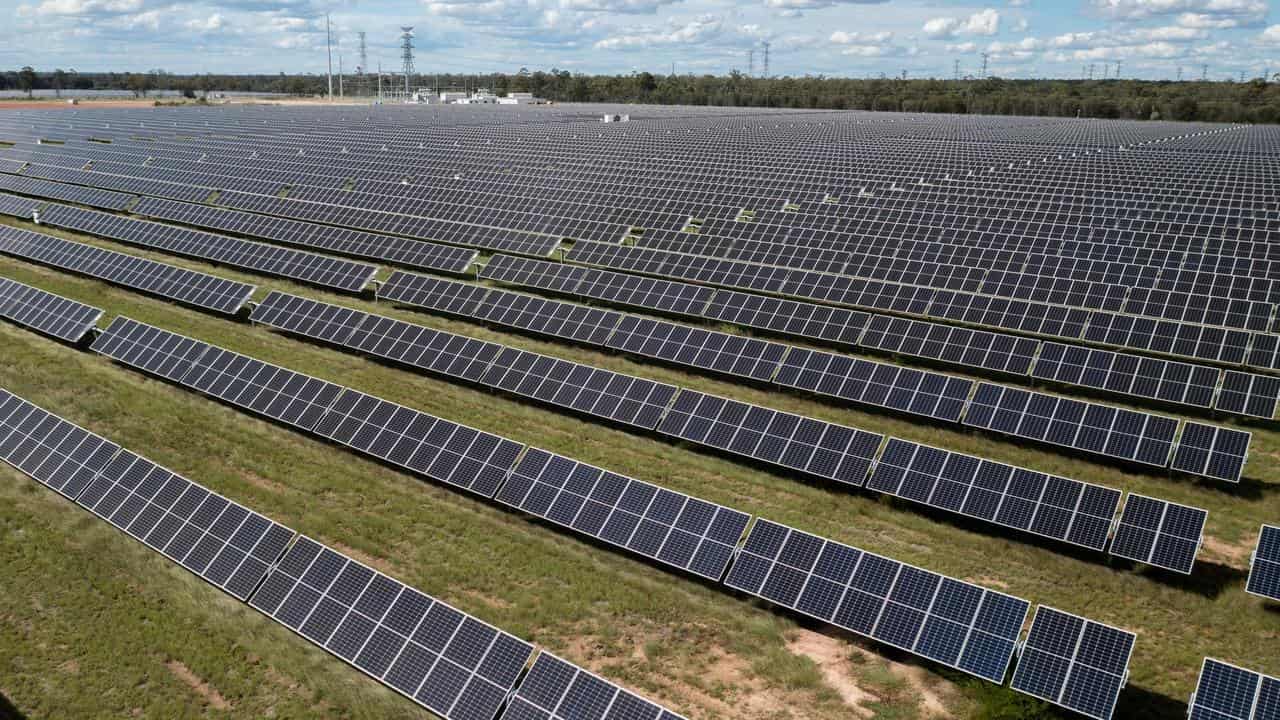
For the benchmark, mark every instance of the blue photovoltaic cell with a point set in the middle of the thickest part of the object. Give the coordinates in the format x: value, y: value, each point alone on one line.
x: 59, y: 454
x: 442, y: 658
x: 1158, y: 532
x: 1074, y: 662
x: 222, y: 541
x: 1228, y: 692
x: 556, y: 689
x: 662, y: 524
x: 1047, y: 505
x: 955, y: 623
x: 1264, y: 574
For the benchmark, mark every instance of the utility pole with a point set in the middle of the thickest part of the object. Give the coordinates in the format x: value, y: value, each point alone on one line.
x: 766, y: 59
x: 1090, y: 71
x: 379, y: 83
x: 341, y: 94
x: 364, y: 56
x: 328, y: 46
x: 1105, y: 65
x: 1179, y: 73
x: 1118, y: 68
x: 956, y: 69
x: 751, y: 62
x: 1242, y: 76
x: 1204, y: 72
x: 904, y: 73
x: 984, y: 66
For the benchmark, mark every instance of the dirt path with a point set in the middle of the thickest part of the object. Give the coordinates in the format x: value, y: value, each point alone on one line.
x: 200, y: 687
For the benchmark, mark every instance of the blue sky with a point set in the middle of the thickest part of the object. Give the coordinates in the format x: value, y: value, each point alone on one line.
x: 860, y: 38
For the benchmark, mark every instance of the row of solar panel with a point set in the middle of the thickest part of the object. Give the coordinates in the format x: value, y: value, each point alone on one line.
x: 44, y: 312
x: 1228, y: 692
x: 455, y: 665
x: 1049, y: 506
x: 669, y: 527
x: 1183, y: 338
x: 185, y: 286
x: 343, y: 275
x: 1131, y: 375
x: 355, y: 243
x: 442, y: 658
x: 884, y: 385
x: 1137, y: 437
x: 793, y: 442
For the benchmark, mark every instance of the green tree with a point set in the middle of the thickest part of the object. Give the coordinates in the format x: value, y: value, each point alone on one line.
x: 27, y: 79
x: 59, y: 81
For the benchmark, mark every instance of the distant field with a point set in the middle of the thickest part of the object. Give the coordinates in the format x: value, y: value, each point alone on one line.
x: 101, y: 625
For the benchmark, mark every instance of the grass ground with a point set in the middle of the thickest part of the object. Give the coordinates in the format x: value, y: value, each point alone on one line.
x: 102, y: 622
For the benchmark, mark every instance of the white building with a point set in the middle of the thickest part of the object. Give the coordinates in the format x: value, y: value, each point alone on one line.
x: 520, y: 98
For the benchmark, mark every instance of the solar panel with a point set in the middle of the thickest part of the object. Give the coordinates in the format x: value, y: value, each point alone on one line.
x: 955, y: 623
x: 58, y: 454
x: 222, y: 541
x: 19, y: 207
x: 432, y: 293
x: 67, y: 193
x: 555, y: 689
x: 826, y: 450
x: 344, y: 240
x: 1124, y: 374
x: 1074, y: 662
x: 436, y: 448
x: 665, y: 525
x: 442, y: 658
x: 787, y: 317
x: 1101, y: 429
x: 1264, y: 572
x: 306, y: 267
x: 1047, y: 505
x: 1249, y: 394
x: 1160, y: 533
x: 186, y: 286
x: 571, y: 321
x: 306, y: 317
x: 1211, y: 451
x: 1228, y: 692
x: 707, y: 349
x: 283, y: 395
x: 947, y: 343
x: 603, y: 393
x: 918, y: 392
x: 45, y: 312
x: 150, y: 349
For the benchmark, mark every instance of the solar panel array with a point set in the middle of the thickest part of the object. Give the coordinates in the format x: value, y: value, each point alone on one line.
x: 949, y: 621
x: 1249, y: 394
x: 59, y: 454
x: 344, y: 275
x: 556, y: 689
x: 1074, y: 662
x: 223, y: 542
x: 186, y: 286
x: 1264, y: 570
x: 444, y: 659
x: 1089, y: 427
x: 1158, y: 532
x: 792, y: 442
x: 661, y: 524
x: 1211, y: 451
x: 1035, y: 502
x: 1228, y: 692
x: 45, y: 312
x: 1125, y: 374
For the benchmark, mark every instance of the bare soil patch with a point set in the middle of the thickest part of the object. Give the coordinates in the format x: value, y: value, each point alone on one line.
x: 200, y: 687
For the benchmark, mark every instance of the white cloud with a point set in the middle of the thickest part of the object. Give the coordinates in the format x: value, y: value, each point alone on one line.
x: 694, y: 31
x: 793, y: 7
x: 210, y: 24
x: 840, y: 37
x: 1242, y: 11
x: 1271, y: 35
x: 983, y: 22
x: 80, y: 7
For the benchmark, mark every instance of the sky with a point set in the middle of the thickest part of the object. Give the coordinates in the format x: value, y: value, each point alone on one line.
x: 1153, y: 39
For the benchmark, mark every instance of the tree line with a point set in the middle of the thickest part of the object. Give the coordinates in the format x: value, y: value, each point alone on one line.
x: 1253, y: 101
